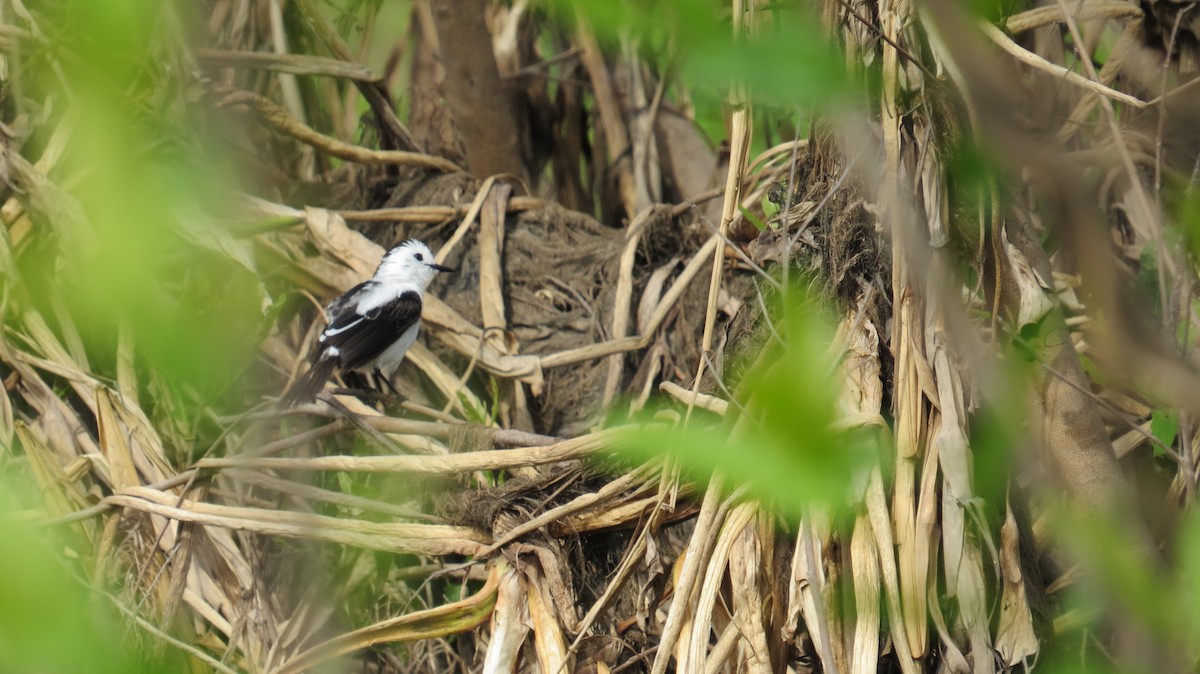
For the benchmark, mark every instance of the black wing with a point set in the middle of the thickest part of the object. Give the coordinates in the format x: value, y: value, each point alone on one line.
x: 361, y: 338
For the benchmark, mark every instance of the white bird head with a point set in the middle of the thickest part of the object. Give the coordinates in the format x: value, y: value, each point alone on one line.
x: 410, y: 262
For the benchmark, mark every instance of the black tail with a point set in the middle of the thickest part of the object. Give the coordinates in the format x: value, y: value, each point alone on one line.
x: 306, y: 388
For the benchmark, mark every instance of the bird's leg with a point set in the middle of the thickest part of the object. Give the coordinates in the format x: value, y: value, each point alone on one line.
x: 364, y: 394
x: 364, y: 387
x: 382, y: 382
x: 358, y: 385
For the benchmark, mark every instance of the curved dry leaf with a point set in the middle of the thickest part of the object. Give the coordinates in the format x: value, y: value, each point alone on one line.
x: 331, y: 235
x: 548, y: 640
x: 973, y: 609
x: 441, y: 621
x: 114, y: 445
x: 864, y: 657
x: 950, y: 435
x: 693, y: 659
x: 809, y: 589
x: 920, y: 561
x: 651, y: 294
x: 552, y: 562
x: 952, y: 658
x: 881, y: 529
x: 509, y: 625
x: 60, y: 494
x: 862, y: 389
x: 1016, y: 640
x: 746, y: 567
x: 428, y: 539
x: 1035, y: 293
x: 954, y: 522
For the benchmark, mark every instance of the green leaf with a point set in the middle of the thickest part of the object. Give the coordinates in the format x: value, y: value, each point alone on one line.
x: 789, y: 454
x: 50, y: 619
x: 754, y: 220
x: 1164, y: 425
x: 1189, y: 580
x: 770, y: 208
x: 788, y: 61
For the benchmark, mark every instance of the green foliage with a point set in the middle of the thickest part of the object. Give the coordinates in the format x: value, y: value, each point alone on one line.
x: 1185, y: 207
x: 754, y: 219
x: 141, y: 247
x: 1147, y: 280
x: 770, y: 208
x: 996, y: 10
x: 787, y: 62
x: 787, y: 452
x: 48, y: 621
x: 1149, y: 598
x: 1164, y: 425
x: 1188, y: 596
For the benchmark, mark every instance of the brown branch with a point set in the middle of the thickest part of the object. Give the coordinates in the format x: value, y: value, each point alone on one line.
x: 296, y: 64
x: 278, y: 118
x: 435, y: 213
x: 420, y: 214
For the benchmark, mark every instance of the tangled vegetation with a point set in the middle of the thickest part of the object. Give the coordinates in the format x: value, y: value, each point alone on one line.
x: 841, y: 336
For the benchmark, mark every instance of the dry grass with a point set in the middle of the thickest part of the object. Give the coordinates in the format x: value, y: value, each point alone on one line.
x: 488, y: 522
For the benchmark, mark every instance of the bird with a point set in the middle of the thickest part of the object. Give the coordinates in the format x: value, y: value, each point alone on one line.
x: 371, y: 326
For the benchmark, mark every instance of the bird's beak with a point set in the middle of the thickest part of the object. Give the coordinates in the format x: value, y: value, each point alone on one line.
x: 442, y: 267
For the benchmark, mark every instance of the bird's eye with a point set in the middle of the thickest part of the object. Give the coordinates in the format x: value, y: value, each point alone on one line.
x: 420, y: 258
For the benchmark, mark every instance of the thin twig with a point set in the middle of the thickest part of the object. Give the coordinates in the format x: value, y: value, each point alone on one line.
x: 1029, y: 58
x: 286, y: 124
x: 737, y: 250
x: 183, y: 646
x: 296, y: 64
x: 883, y: 36
x: 537, y: 68
x: 1133, y: 425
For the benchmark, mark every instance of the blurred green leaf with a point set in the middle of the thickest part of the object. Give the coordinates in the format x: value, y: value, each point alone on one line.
x: 788, y: 453
x: 1188, y: 596
x: 1116, y: 576
x: 1164, y: 425
x: 142, y: 255
x: 788, y: 61
x: 1185, y: 207
x: 48, y: 622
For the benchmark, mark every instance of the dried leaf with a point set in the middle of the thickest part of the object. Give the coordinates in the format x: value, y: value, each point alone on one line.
x: 1016, y: 640
x: 548, y: 639
x: 864, y: 657
x: 509, y: 625
x: 440, y: 621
